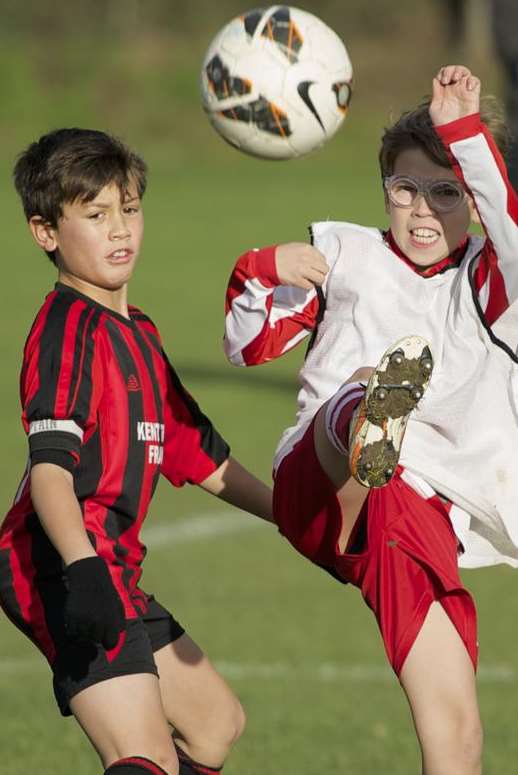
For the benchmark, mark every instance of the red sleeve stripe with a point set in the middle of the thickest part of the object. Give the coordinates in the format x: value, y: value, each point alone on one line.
x: 479, y: 163
x: 57, y: 379
x: 83, y: 348
x: 71, y: 319
x: 254, y: 265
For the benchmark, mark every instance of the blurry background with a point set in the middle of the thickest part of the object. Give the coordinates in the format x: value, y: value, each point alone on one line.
x: 302, y: 652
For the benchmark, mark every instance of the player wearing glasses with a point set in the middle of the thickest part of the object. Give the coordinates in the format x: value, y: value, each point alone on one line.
x: 392, y: 519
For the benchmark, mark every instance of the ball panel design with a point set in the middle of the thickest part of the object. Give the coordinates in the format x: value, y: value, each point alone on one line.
x: 276, y: 82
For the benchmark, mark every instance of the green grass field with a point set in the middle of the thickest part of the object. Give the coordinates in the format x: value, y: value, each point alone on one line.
x: 302, y: 652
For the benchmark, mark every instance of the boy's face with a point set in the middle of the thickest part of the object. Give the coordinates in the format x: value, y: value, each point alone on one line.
x: 425, y: 235
x: 97, y: 242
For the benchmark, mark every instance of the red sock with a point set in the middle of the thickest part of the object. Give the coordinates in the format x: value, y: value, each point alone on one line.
x: 339, y: 411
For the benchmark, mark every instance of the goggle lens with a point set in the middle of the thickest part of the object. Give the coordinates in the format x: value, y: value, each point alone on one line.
x: 441, y: 195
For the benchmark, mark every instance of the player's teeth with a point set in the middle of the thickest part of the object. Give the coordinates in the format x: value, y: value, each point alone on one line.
x: 424, y: 233
x: 119, y: 253
x: 425, y: 236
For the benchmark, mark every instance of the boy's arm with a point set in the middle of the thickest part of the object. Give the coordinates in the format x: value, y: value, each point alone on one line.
x: 53, y: 497
x: 236, y: 485
x: 271, y: 302
x: 93, y: 609
x: 479, y: 164
x: 194, y: 452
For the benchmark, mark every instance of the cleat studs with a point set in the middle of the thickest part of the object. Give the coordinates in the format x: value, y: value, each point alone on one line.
x: 381, y: 394
x: 389, y: 472
x: 368, y: 466
x: 416, y: 393
x: 426, y: 364
x: 397, y: 357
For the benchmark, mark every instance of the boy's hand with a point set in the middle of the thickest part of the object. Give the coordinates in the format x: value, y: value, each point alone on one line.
x: 300, y: 265
x: 456, y: 93
x: 93, y: 608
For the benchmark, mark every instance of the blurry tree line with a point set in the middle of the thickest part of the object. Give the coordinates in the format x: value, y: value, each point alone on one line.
x: 376, y: 18
x: 136, y: 62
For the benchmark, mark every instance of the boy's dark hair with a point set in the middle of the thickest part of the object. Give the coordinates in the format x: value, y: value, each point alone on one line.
x: 67, y: 165
x: 415, y: 130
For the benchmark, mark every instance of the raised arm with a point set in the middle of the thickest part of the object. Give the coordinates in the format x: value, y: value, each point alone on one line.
x: 271, y: 302
x: 478, y: 163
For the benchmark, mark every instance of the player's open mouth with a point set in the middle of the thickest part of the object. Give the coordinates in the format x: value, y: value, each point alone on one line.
x: 120, y: 256
x: 423, y: 237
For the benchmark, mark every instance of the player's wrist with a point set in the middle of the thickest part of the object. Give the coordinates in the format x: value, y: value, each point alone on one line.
x: 85, y: 563
x: 76, y: 555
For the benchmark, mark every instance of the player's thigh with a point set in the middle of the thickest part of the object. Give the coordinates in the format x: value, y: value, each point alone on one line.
x: 124, y: 716
x: 196, y: 699
x: 439, y: 680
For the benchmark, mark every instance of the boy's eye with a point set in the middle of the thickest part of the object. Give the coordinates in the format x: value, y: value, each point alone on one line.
x: 96, y: 216
x: 446, y: 191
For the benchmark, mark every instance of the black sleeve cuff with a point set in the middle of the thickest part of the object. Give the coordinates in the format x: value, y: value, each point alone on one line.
x: 57, y: 457
x: 59, y: 441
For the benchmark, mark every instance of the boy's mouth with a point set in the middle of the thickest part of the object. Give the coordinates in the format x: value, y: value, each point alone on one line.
x: 121, y: 255
x: 422, y: 236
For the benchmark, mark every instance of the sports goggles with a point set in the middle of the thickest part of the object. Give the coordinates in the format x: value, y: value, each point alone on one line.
x: 443, y: 196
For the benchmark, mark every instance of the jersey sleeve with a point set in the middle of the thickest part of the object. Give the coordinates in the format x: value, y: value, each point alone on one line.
x: 480, y: 166
x: 61, y: 381
x: 264, y: 319
x: 193, y: 449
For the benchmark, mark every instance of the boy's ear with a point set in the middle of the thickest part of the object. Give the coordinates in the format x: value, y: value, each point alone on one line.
x: 44, y: 234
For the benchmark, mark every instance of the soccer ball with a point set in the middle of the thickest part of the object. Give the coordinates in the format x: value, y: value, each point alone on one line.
x: 276, y: 82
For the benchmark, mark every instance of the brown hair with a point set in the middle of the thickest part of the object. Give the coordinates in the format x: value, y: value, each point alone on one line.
x: 73, y: 164
x: 414, y: 129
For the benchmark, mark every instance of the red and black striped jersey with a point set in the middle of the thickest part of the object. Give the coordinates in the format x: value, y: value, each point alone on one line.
x: 100, y: 398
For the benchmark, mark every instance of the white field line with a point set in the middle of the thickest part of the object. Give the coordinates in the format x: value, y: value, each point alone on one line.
x: 202, y: 526
x: 198, y: 527
x: 327, y: 672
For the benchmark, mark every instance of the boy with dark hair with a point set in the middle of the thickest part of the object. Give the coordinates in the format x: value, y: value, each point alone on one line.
x: 105, y: 414
x: 394, y: 518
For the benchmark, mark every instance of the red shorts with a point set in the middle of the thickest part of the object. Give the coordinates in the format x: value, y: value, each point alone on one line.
x: 402, y: 554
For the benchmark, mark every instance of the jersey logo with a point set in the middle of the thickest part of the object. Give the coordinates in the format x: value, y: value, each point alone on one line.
x: 133, y: 383
x: 303, y: 90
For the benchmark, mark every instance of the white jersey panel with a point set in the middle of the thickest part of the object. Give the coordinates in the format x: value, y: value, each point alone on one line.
x: 371, y: 301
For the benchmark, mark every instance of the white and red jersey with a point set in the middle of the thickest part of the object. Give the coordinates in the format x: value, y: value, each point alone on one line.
x: 462, y: 439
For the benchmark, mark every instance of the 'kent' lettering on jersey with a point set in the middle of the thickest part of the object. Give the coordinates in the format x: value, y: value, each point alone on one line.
x: 152, y: 431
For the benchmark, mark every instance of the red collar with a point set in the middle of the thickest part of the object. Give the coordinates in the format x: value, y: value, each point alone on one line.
x: 453, y: 259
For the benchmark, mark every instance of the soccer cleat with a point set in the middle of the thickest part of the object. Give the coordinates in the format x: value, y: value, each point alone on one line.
x: 379, y: 421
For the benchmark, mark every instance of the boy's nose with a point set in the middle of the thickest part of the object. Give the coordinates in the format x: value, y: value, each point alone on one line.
x: 119, y: 228
x: 421, y: 205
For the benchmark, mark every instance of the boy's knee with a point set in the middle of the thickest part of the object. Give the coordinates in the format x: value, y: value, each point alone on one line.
x: 239, y: 721
x: 229, y: 723
x: 459, y: 741
x: 469, y: 740
x: 211, y: 741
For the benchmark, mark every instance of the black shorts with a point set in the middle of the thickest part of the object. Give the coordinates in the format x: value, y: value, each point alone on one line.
x: 79, y: 665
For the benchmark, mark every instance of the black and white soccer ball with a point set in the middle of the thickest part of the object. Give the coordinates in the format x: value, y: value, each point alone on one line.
x: 276, y: 82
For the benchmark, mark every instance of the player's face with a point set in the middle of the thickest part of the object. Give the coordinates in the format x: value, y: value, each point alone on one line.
x: 98, y: 242
x: 421, y: 230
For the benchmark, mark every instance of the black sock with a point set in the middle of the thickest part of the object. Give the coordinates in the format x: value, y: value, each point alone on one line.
x: 134, y: 765
x: 189, y: 767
